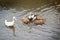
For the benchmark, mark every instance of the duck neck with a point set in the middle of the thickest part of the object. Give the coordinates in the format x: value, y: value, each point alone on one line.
x: 13, y: 20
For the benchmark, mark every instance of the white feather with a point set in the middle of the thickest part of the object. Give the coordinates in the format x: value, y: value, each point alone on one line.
x: 32, y: 16
x: 9, y: 23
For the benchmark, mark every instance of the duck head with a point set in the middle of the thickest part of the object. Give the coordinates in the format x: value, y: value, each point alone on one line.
x: 14, y: 18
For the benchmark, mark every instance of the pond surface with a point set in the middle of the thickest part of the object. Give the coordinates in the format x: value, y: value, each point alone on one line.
x: 20, y: 31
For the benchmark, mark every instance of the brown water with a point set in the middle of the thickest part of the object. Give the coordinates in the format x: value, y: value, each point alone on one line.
x: 25, y: 3
x: 20, y: 31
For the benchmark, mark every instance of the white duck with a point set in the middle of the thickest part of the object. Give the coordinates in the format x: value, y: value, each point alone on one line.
x: 10, y: 23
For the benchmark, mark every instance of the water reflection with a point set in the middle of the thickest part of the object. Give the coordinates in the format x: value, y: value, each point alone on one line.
x: 43, y: 31
x: 13, y: 29
x: 30, y: 29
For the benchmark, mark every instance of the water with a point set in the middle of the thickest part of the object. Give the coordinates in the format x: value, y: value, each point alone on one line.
x: 20, y: 31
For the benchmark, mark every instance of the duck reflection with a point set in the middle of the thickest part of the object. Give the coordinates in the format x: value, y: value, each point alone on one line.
x: 13, y: 29
x: 30, y: 28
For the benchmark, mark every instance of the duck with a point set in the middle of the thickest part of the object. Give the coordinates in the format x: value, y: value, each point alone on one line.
x: 25, y: 20
x: 39, y: 20
x: 10, y: 23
